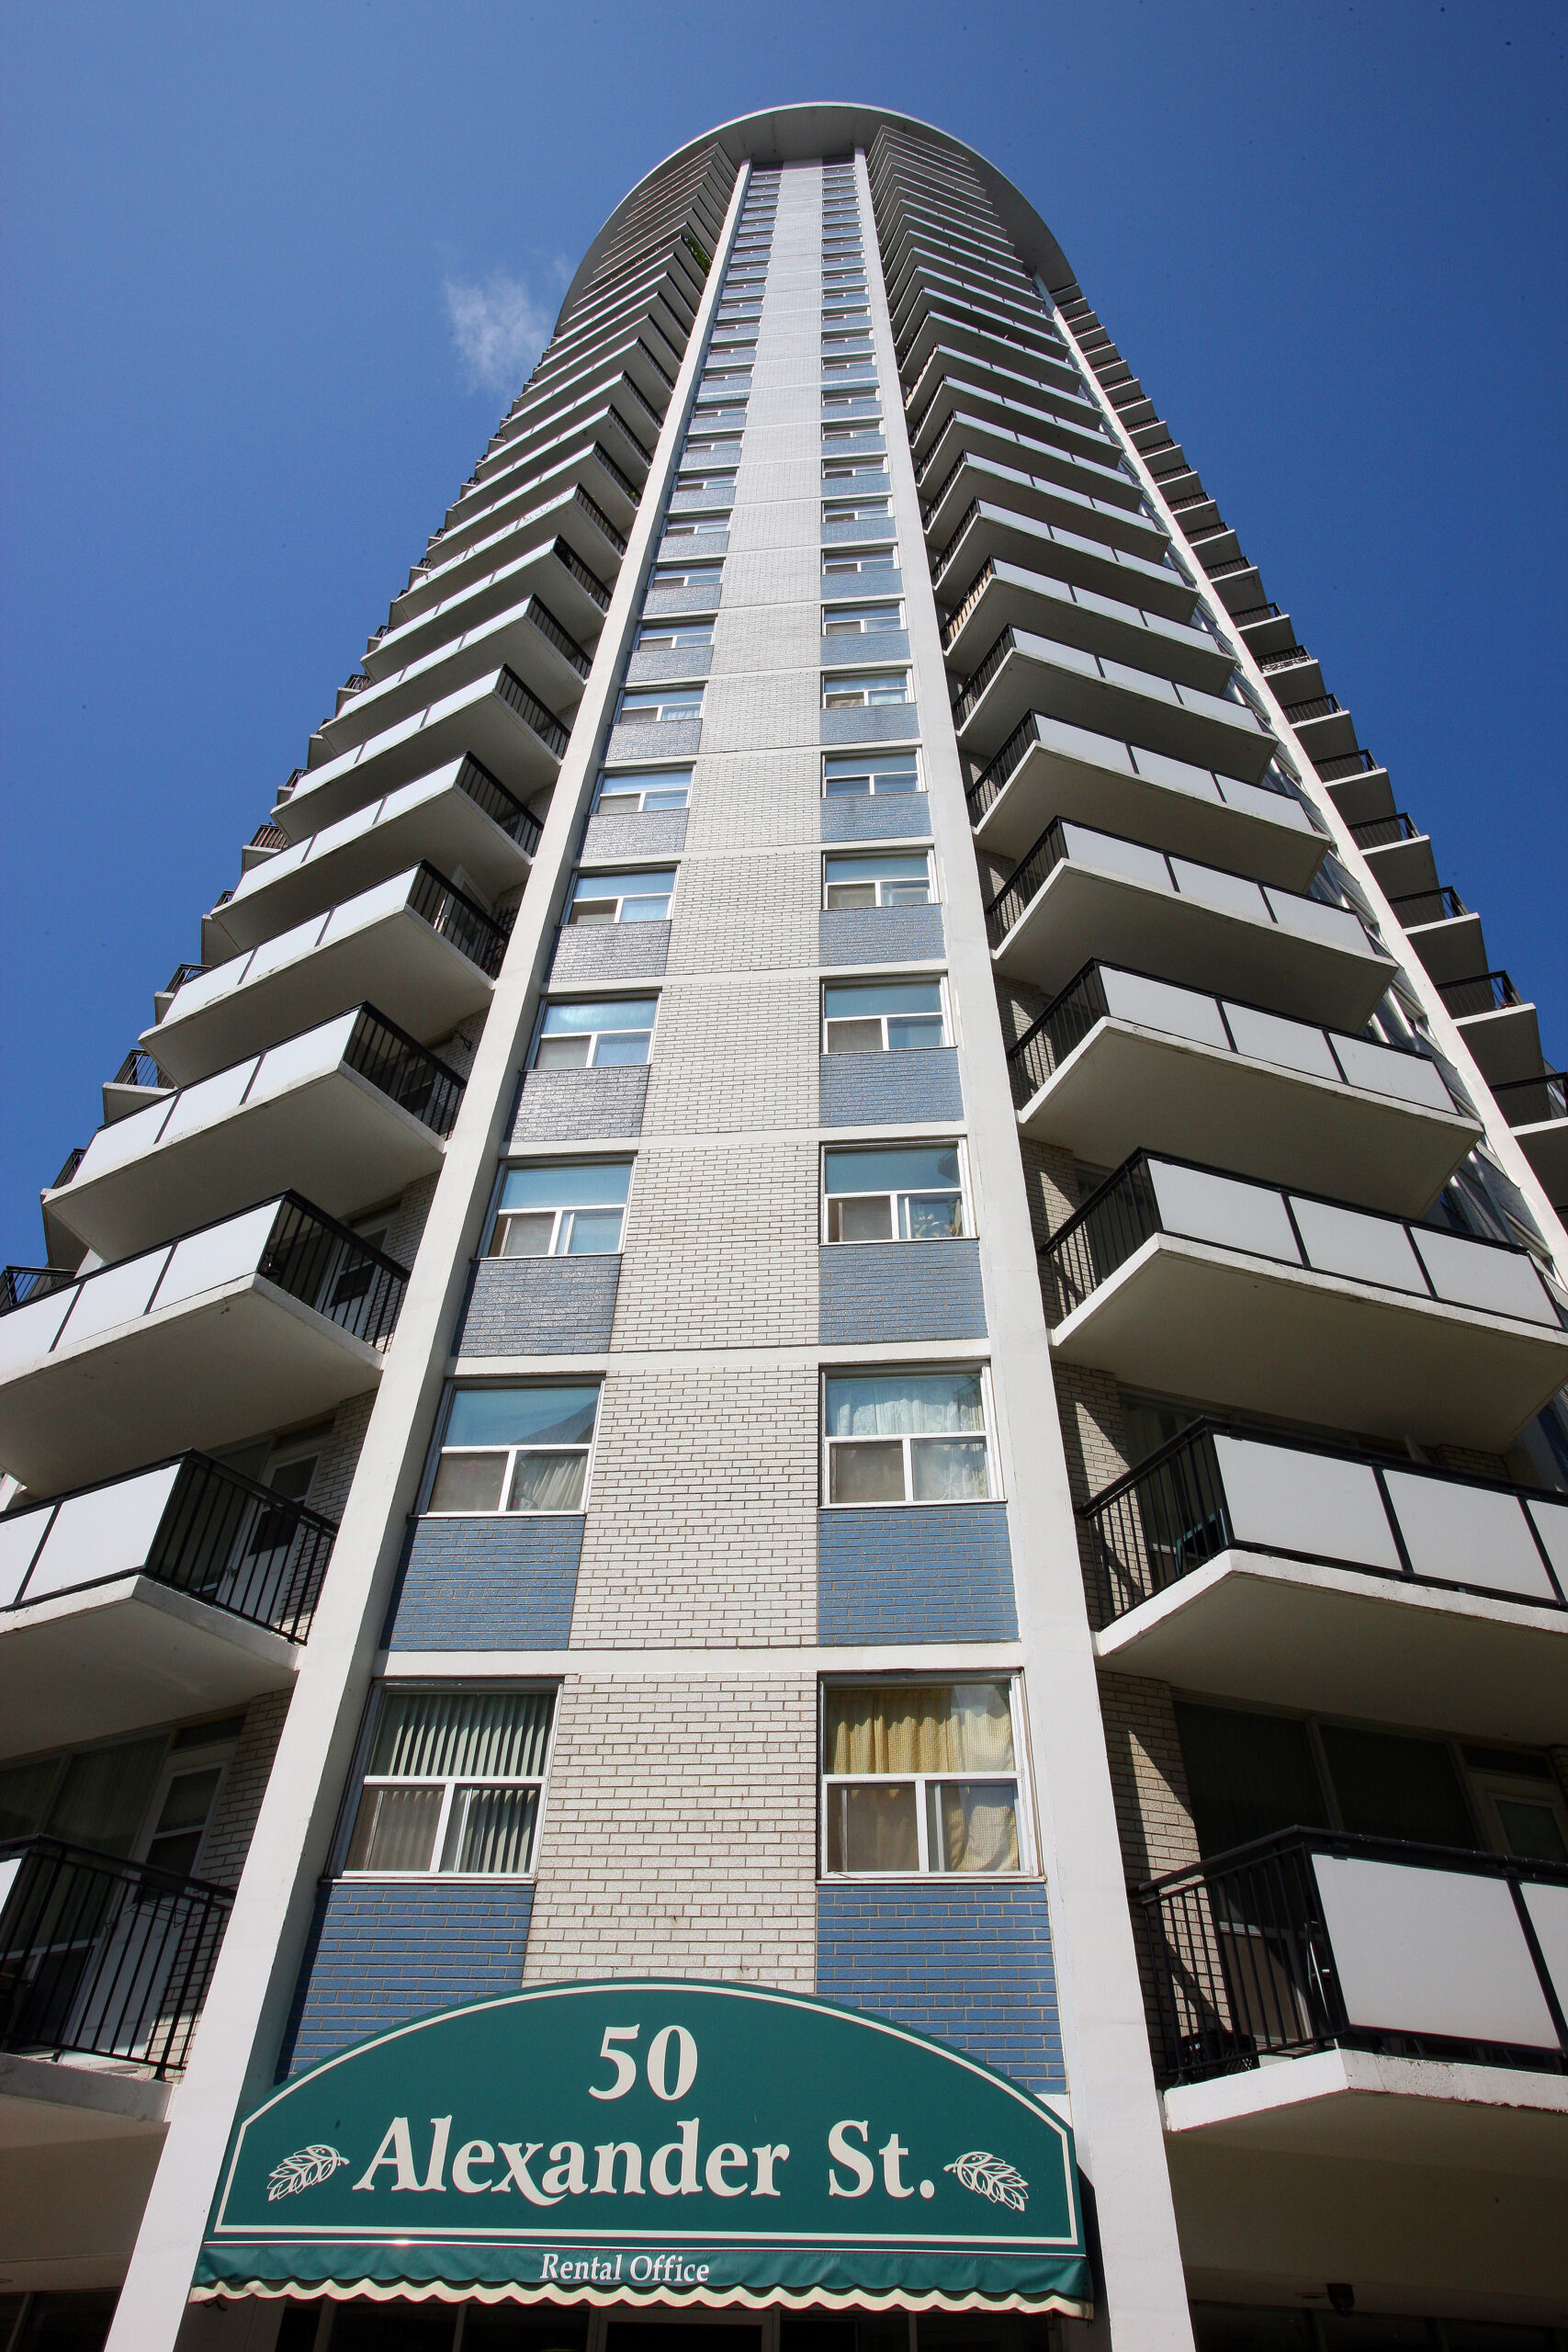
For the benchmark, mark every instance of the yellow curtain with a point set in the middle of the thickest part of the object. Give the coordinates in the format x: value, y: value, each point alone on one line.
x: 918, y: 1727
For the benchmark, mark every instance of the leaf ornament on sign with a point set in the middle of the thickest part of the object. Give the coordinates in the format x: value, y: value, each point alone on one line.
x: 990, y: 2177
x: 303, y: 2169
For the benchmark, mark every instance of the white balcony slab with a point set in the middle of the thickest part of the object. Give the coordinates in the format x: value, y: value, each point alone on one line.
x: 532, y: 535
x: 297, y: 1115
x: 1096, y: 780
x: 1113, y: 697
x: 1118, y: 902
x: 370, y: 949
x: 1186, y: 1318
x: 1041, y: 500
x: 518, y: 638
x: 431, y: 819
x: 475, y: 718
x: 539, y: 572
x: 1014, y: 597
x: 1001, y: 530
x: 49, y: 2104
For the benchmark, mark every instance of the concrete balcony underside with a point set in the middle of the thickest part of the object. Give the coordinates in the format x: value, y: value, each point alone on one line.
x: 999, y: 531
x: 531, y: 535
x: 475, y: 718
x: 1105, y: 697
x: 49, y: 2105
x: 1545, y: 1146
x: 1127, y: 1085
x: 516, y: 639
x: 1093, y: 779
x: 1013, y: 597
x: 964, y: 432
x: 540, y: 572
x: 1340, y: 1641
x: 1184, y: 1318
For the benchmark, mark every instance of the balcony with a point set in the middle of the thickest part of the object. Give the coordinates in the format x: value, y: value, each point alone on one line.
x: 1081, y: 896
x: 460, y: 817
x: 1191, y: 1281
x: 350, y: 1112
x: 1537, y: 1111
x: 1010, y: 402
x: 497, y: 721
x: 417, y: 947
x: 1066, y: 460
x: 1120, y: 1060
x: 259, y: 1322
x: 1306, y: 1577
x: 180, y: 1590
x: 137, y: 1081
x: 989, y: 531
x: 528, y: 641
x: 1500, y: 1027
x: 1277, y: 1963
x: 1100, y: 520
x: 1398, y: 852
x: 555, y: 573
x: 1006, y: 596
x: 571, y: 518
x: 1023, y: 672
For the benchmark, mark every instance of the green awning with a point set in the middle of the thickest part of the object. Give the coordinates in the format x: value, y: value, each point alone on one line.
x: 654, y: 2142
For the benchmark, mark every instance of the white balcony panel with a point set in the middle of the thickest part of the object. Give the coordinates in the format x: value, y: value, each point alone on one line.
x: 295, y: 1115
x: 371, y: 949
x: 1085, y: 689
x: 429, y: 819
x: 1432, y: 1951
x: 1470, y: 1535
x: 497, y: 591
x: 1314, y: 1502
x: 1548, y: 1907
x: 1501, y: 1281
x: 475, y: 718
x: 511, y: 637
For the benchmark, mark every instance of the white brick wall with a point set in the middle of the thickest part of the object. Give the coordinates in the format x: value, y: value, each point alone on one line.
x: 738, y: 1053
x: 751, y: 912
x: 744, y: 799
x: 719, y: 1242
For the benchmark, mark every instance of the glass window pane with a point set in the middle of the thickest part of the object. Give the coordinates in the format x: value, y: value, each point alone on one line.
x: 468, y: 1482
x: 525, y: 1236
x: 612, y: 1012
x: 854, y: 1036
x: 865, y: 1474
x: 949, y: 1470
x: 566, y: 1185
x: 1247, y: 1775
x: 491, y: 1830
x: 916, y: 1727
x: 974, y: 1826
x: 933, y: 1216
x: 886, y: 868
x: 847, y: 1002
x: 430, y: 1735
x: 395, y: 1829
x: 1532, y: 1829
x: 907, y: 1168
x: 1390, y: 1787
x: 24, y: 1793
x: 906, y: 1404
x: 904, y: 1037
x: 596, y: 1233
x: 867, y: 1220
x: 621, y: 1051
x: 541, y: 1416
x: 547, y: 1482
x: 659, y: 880
x: 105, y: 1794
x: 873, y: 1828
x: 562, y: 1053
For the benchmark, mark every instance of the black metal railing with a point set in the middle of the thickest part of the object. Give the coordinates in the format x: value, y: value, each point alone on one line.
x: 968, y: 700
x: 1288, y: 659
x: 951, y: 550
x: 1481, y: 993
x: 1442, y: 905
x: 972, y: 596
x: 179, y: 976
x: 932, y: 504
x: 626, y: 384
x: 1315, y: 707
x: 20, y: 1286
x: 1337, y: 766
x: 565, y: 644
x: 1531, y: 1101
x: 1252, y: 614
x: 988, y: 786
x: 589, y: 582
x: 1063, y: 1026
x: 1025, y: 880
x: 502, y: 807
x: 1112, y: 1223
x: 1244, y: 1969
x: 1382, y: 832
x: 458, y: 918
x: 108, y: 1958
x: 328, y: 1268
x: 532, y: 712
x: 222, y: 1539
x: 69, y: 1165
x: 139, y: 1069
x: 269, y: 837
x: 599, y: 519
x: 405, y: 1071
x: 661, y: 371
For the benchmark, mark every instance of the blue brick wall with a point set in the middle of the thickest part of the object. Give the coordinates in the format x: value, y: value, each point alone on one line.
x: 653, y: 738
x: 559, y: 1105
x: 541, y: 1307
x: 887, y: 645
x: 880, y: 934
x: 877, y: 1090
x: 968, y: 1961
x: 900, y: 1290
x: 655, y: 663
x: 701, y: 502
x: 703, y: 598
x: 896, y: 722
x: 645, y: 832
x: 616, y: 951
x: 878, y: 817
x: 915, y: 1572
x: 841, y: 534
x: 501, y: 1583
x: 380, y: 1953
x: 713, y: 543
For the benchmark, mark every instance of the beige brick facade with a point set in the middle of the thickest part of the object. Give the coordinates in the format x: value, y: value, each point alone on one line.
x: 720, y: 1241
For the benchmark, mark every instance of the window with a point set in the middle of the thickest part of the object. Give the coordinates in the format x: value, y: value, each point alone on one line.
x: 659, y: 703
x: 854, y: 777
x: 144, y: 1800
x: 687, y: 575
x: 856, y: 509
x: 857, y: 473
x: 515, y: 1448
x: 605, y: 1035
x: 563, y: 1208
x: 886, y: 878
x: 864, y: 689
x: 902, y: 1437
x: 870, y: 425
x: 719, y: 448
x: 901, y: 1192
x: 863, y: 620
x: 857, y: 401
x: 674, y: 637
x: 696, y: 526
x: 918, y: 1777
x: 733, y: 381
x: 625, y: 796
x: 453, y: 1784
x: 833, y: 366
x: 719, y: 485
x: 883, y: 1017
x: 865, y: 561
x: 640, y: 896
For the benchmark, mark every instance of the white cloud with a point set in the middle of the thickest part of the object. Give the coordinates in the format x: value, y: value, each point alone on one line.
x: 499, y: 330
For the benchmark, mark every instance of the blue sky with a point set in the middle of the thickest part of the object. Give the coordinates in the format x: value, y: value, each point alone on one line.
x: 266, y: 271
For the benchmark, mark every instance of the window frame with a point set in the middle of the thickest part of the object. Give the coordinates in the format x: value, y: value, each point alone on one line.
x: 594, y: 1034
x: 656, y: 692
x: 686, y: 633
x: 610, y: 782
x: 499, y: 1215
x: 957, y: 1143
x: 836, y: 618
x: 439, y: 1448
x: 696, y: 527
x: 1021, y: 1777
x: 709, y: 571
x: 361, y: 1775
x: 858, y: 689
x: 925, y: 851
x: 905, y: 980
x: 860, y: 510
x: 614, y: 873
x: 994, y: 1493
x: 875, y: 755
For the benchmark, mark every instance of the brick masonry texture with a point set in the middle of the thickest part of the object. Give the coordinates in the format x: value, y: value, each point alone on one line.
x: 228, y: 1840
x: 755, y: 912
x: 900, y: 1290
x: 878, y: 817
x: 540, y: 1306
x: 882, y: 723
x: 839, y: 652
x: 763, y: 710
x: 661, y: 739
x: 680, y: 550
x: 680, y: 1832
x: 968, y: 1963
x: 610, y: 951
x: 787, y: 574
x: 843, y: 534
x: 709, y: 1470
x: 655, y: 663
x: 652, y: 832
x: 379, y: 1953
x: 720, y: 1245
x: 875, y: 1090
x: 502, y: 1583
x: 737, y: 1054
x: 881, y: 935
x: 755, y: 638
x: 1148, y: 1786
x: 780, y: 522
x: 749, y: 798
x: 663, y: 603
x: 885, y: 580
x: 561, y: 1105
x: 701, y: 502
x: 916, y: 1572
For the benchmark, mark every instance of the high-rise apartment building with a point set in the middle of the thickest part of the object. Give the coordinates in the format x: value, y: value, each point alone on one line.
x: 786, y: 1536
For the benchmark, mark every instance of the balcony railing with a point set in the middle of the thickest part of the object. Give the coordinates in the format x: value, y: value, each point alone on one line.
x: 179, y: 976
x: 19, y: 1285
x: 107, y: 1957
x: 1382, y: 832
x: 1442, y: 905
x: 140, y: 1069
x: 321, y: 1263
x: 969, y: 694
x: 1217, y: 1488
x: 569, y: 561
x: 1313, y: 1938
x: 69, y: 1165
x: 532, y: 711
x: 456, y: 916
x: 592, y: 507
x: 930, y: 505
x: 951, y: 550
x: 274, y: 836
x: 1533, y: 1101
x: 1337, y: 766
x: 500, y: 806
x: 191, y: 1524
x: 565, y: 644
x: 1151, y: 1195
x: 1482, y: 992
x: 407, y: 1072
x: 956, y: 620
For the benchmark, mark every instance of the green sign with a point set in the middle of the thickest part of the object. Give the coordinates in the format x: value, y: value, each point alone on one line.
x: 656, y: 2142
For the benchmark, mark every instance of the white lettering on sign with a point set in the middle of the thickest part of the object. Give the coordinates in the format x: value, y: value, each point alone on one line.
x: 860, y: 2164
x: 397, y: 2152
x: 658, y: 2081
x: 679, y: 2168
